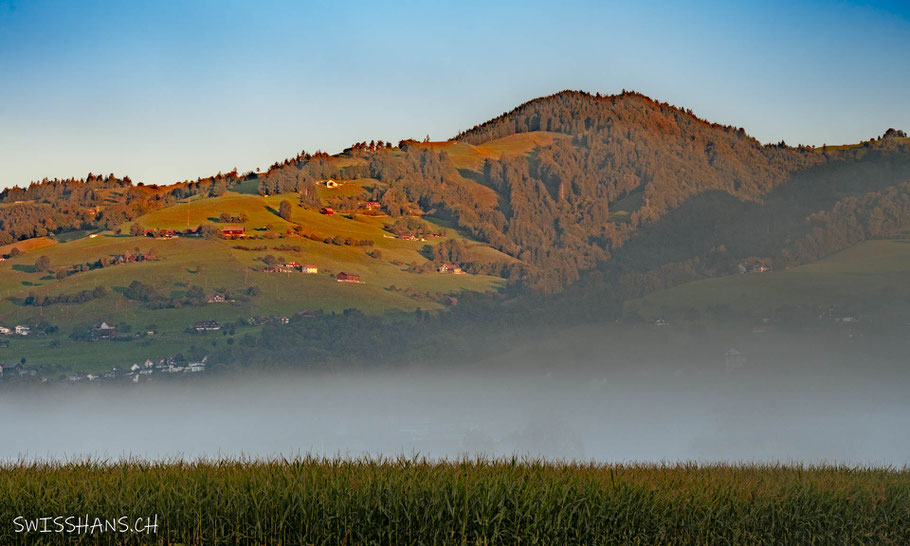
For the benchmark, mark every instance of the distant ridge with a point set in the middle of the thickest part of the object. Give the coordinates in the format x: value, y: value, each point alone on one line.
x: 579, y: 106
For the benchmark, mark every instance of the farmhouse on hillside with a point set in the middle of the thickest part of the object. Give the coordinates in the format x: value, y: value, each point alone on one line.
x: 5, y: 331
x: 310, y: 269
x: 449, y: 268
x: 216, y: 298
x: 348, y: 277
x: 289, y: 267
x: 206, y: 326
x: 23, y: 330
x: 330, y: 183
x: 103, y: 331
x: 233, y: 231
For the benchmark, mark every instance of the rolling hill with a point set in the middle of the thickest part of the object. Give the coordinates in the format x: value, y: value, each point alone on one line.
x: 397, y: 276
x: 635, y: 197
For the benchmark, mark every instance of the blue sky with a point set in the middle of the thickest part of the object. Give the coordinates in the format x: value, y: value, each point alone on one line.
x: 168, y: 91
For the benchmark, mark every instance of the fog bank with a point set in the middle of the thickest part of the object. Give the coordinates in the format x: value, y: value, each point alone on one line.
x: 584, y: 407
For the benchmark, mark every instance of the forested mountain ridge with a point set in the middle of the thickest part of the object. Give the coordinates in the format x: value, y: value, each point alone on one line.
x: 630, y: 161
x: 558, y: 206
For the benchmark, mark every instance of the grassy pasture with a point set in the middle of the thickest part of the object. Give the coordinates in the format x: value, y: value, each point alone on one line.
x: 874, y: 272
x: 214, y: 265
x: 413, y: 501
x: 469, y: 158
x: 28, y: 245
x: 261, y: 211
x: 836, y: 148
x: 521, y: 143
x: 247, y: 187
x: 347, y: 188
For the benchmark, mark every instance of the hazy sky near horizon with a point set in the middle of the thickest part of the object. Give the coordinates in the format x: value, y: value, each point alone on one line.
x: 168, y: 91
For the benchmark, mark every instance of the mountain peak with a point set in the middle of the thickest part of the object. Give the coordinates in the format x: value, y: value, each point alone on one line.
x: 577, y: 112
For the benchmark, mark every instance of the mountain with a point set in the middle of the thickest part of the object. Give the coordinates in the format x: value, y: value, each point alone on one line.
x: 604, y: 169
x: 573, y: 203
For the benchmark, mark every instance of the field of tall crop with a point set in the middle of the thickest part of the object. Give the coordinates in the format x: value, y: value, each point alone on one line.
x: 412, y: 501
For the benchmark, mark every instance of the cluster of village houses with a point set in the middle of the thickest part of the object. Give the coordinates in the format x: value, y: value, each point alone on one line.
x: 144, y: 371
x: 104, y: 331
x: 295, y: 267
x: 292, y: 267
x: 19, y: 330
x: 202, y: 326
x: 137, y: 372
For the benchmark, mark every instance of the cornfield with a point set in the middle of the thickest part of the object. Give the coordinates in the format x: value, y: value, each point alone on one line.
x: 416, y: 501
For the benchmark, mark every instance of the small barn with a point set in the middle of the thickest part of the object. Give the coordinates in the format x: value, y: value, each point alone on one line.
x: 233, y: 231
x: 206, y: 326
x: 449, y: 268
x: 348, y: 277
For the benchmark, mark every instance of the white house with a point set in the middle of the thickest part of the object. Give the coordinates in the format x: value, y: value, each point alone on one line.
x: 22, y: 330
x: 5, y: 331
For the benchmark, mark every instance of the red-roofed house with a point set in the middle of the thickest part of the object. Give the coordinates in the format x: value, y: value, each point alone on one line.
x: 233, y: 231
x: 449, y: 268
x: 348, y: 277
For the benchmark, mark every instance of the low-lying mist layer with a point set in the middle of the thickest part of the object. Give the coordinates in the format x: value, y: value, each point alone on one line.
x: 575, y: 396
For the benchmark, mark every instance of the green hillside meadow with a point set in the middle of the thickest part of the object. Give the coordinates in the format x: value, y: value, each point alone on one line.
x: 869, y: 275
x: 387, y: 286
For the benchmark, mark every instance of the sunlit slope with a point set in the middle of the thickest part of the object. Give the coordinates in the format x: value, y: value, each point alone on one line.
x: 870, y: 275
x: 225, y: 264
x: 469, y: 158
x: 28, y: 245
x: 388, y: 269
